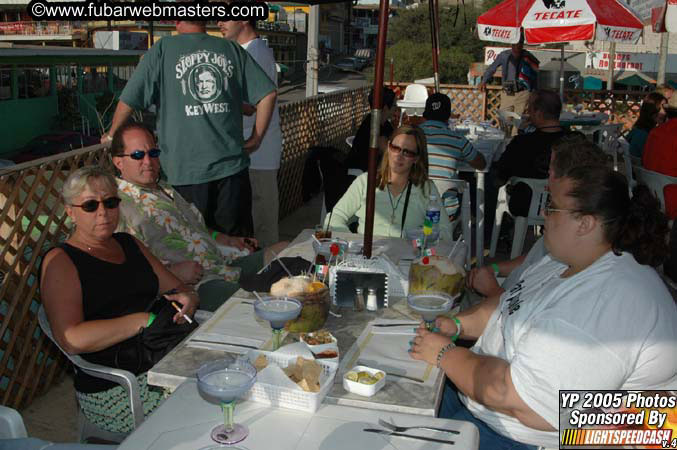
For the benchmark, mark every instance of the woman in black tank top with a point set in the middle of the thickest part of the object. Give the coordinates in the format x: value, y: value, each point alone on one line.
x: 97, y: 286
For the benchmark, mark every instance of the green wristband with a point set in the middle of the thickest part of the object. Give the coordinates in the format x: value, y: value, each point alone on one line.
x: 494, y: 266
x: 214, y: 234
x: 458, y: 329
x: 151, y: 318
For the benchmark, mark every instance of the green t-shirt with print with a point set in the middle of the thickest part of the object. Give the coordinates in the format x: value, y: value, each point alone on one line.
x: 198, y: 83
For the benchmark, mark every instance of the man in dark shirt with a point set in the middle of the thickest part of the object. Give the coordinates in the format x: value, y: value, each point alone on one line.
x: 528, y: 155
x: 358, y: 158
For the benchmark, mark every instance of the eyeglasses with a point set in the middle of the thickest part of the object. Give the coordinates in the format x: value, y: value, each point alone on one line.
x: 138, y: 155
x: 91, y: 206
x: 397, y: 150
x: 547, y: 209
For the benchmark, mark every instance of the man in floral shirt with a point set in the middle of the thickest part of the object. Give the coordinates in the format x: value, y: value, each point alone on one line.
x: 174, y: 229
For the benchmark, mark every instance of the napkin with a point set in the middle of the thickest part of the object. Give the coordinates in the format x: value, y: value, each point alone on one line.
x: 235, y: 323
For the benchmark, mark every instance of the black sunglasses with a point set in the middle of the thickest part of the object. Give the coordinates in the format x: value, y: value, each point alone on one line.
x: 140, y: 154
x: 91, y: 206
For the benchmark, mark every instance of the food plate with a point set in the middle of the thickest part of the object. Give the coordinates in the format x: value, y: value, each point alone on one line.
x: 322, y: 335
x: 366, y: 390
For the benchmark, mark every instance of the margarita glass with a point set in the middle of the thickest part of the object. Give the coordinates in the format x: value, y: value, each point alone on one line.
x: 430, y: 306
x: 226, y: 380
x: 277, y: 311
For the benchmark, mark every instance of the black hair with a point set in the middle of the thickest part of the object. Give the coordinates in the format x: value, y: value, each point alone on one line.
x: 117, y: 145
x: 573, y: 150
x: 547, y: 102
x: 388, y: 97
x: 635, y: 225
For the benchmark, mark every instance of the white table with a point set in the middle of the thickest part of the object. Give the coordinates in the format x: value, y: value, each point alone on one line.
x: 185, y: 420
x: 491, y: 148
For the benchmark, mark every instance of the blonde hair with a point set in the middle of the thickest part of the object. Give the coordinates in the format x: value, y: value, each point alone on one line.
x: 418, y: 174
x: 78, y: 180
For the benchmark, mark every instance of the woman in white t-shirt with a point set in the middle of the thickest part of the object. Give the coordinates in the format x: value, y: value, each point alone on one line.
x: 591, y: 315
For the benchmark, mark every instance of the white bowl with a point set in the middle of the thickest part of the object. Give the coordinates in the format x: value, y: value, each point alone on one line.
x: 333, y: 348
x: 365, y: 390
x: 319, y: 348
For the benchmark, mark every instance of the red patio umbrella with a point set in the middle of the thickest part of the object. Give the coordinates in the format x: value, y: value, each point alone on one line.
x: 559, y: 21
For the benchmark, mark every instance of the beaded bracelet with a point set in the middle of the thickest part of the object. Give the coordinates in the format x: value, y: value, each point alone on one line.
x: 214, y: 234
x: 442, y: 351
x: 458, y: 329
x: 151, y: 318
x: 495, y: 268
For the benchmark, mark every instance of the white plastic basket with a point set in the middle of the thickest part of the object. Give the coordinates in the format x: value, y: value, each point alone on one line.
x: 283, y: 397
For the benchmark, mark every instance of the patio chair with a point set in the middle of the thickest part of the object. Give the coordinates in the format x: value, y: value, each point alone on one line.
x: 414, y: 93
x: 606, y: 137
x: 349, y: 141
x: 624, y: 149
x: 462, y: 187
x: 538, y: 197
x: 122, y: 377
x: 655, y: 181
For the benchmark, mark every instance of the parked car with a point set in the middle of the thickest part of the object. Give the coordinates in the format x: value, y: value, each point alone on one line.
x: 348, y: 64
x: 52, y: 144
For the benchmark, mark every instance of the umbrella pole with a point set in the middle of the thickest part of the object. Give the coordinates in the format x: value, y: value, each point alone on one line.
x: 432, y: 8
x: 561, y: 74
x: 612, y: 63
x: 376, y: 110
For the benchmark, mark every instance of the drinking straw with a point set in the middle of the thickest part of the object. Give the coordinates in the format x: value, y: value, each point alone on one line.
x: 329, y: 221
x: 256, y: 294
x: 277, y: 257
x: 316, y: 239
x: 454, y: 248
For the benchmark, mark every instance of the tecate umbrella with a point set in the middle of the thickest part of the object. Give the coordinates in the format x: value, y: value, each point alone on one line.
x: 559, y: 21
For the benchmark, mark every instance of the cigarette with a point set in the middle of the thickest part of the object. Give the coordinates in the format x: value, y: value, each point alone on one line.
x: 176, y: 307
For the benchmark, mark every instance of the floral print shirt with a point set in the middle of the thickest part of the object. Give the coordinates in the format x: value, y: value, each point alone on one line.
x: 174, y: 229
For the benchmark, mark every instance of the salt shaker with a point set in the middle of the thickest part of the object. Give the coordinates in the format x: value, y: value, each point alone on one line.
x: 372, y: 304
x: 359, y: 299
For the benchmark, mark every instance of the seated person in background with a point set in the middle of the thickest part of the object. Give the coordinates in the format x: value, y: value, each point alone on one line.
x: 651, y: 114
x: 660, y: 154
x: 96, y: 288
x: 588, y: 314
x: 174, y: 229
x: 446, y: 149
x: 358, y: 157
x: 570, y: 151
x: 528, y: 155
x: 402, y: 192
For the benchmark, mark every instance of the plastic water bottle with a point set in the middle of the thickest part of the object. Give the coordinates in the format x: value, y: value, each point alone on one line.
x: 433, y: 214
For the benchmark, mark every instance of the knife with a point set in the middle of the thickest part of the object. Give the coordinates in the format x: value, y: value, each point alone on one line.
x: 222, y: 343
x: 395, y: 325
x: 410, y: 436
x: 418, y: 380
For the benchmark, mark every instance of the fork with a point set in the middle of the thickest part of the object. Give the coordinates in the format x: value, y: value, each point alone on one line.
x: 399, y: 429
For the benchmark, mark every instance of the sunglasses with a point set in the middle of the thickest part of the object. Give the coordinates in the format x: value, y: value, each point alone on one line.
x: 138, y: 155
x: 397, y: 150
x: 91, y: 206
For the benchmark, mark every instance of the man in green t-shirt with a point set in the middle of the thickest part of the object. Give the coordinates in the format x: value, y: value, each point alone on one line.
x: 198, y: 84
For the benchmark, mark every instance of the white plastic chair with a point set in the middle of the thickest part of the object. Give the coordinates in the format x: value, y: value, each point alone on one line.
x: 507, y: 120
x: 655, y: 181
x: 624, y: 148
x: 463, y: 188
x: 124, y: 378
x: 538, y: 197
x: 606, y: 139
x: 349, y: 141
x: 414, y: 94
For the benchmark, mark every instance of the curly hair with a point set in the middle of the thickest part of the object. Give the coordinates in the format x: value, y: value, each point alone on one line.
x: 635, y: 225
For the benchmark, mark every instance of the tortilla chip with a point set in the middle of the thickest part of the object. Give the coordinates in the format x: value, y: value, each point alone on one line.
x: 260, y: 363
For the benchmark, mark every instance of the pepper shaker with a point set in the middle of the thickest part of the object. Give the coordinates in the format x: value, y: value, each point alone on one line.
x: 372, y: 302
x: 359, y: 299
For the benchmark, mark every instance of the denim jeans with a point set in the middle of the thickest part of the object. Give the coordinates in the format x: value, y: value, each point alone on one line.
x: 452, y: 408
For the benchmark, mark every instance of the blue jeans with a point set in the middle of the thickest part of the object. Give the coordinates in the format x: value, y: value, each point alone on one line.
x: 452, y: 408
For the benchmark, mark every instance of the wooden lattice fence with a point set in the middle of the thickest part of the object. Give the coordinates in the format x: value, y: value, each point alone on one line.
x: 470, y: 103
